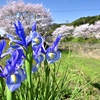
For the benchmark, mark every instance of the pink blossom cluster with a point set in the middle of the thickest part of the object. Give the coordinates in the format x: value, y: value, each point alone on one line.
x: 85, y: 30
x: 26, y: 13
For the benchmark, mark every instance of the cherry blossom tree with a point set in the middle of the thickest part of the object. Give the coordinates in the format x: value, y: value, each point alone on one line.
x: 26, y: 13
x: 84, y: 31
x: 96, y: 29
x: 2, y: 32
x: 64, y: 30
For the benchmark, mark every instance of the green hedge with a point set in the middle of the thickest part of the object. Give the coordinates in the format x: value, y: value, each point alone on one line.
x: 81, y: 40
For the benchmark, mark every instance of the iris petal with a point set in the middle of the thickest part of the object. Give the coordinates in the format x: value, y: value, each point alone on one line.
x: 22, y: 73
x: 40, y: 58
x: 28, y: 40
x: 13, y: 87
x: 34, y: 69
x: 20, y: 32
x: 54, y: 56
x: 2, y: 46
x: 6, y: 53
x: 19, y: 42
x: 8, y: 70
x: 34, y: 27
x: 35, y: 65
x: 1, y: 75
x: 13, y: 79
x: 34, y: 34
x: 37, y: 41
x: 16, y: 57
x: 54, y: 46
x: 15, y: 46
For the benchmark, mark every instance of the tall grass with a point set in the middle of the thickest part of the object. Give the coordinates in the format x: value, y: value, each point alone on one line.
x: 70, y: 78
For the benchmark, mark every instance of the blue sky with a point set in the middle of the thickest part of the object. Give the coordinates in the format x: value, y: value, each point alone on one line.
x: 64, y: 11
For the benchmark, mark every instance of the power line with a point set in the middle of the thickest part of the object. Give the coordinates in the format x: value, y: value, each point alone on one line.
x: 76, y: 10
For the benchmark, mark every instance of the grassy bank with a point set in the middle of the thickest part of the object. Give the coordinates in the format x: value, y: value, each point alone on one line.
x: 84, y: 72
x: 70, y: 78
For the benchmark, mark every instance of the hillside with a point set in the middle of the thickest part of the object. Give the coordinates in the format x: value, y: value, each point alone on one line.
x: 80, y: 21
x: 84, y: 20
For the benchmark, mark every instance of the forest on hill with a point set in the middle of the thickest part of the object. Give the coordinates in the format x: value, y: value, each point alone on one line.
x: 84, y: 20
x: 80, y: 21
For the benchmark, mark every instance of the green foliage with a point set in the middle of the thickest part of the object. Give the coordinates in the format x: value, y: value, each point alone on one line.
x: 88, y: 72
x: 73, y: 78
x: 81, y: 40
x: 80, y: 21
x: 84, y: 20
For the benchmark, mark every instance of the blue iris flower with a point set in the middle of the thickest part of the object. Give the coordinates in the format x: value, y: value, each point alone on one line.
x: 2, y: 47
x: 52, y: 53
x: 35, y: 65
x: 37, y: 39
x: 12, y: 72
x: 37, y: 58
x: 53, y: 56
x: 23, y: 40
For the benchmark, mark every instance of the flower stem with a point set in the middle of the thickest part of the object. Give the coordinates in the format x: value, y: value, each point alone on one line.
x: 28, y: 65
x: 47, y: 73
x: 10, y: 94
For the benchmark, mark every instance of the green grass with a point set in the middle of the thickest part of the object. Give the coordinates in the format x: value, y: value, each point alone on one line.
x: 89, y: 66
x: 88, y: 70
x: 81, y: 40
x: 80, y: 73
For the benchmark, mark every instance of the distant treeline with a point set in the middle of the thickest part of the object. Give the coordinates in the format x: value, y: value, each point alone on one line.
x: 80, y: 21
x: 84, y: 20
